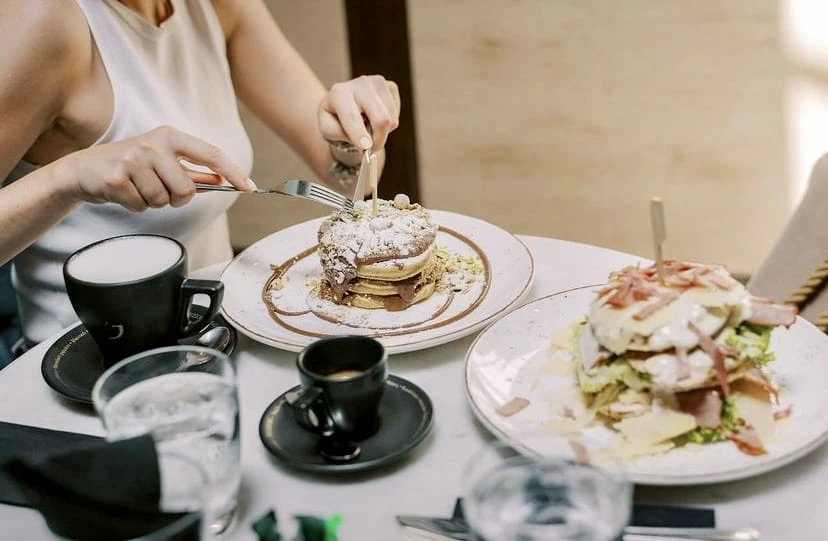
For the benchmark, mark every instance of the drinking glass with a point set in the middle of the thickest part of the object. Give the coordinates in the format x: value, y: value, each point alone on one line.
x: 185, y: 397
x: 559, y: 489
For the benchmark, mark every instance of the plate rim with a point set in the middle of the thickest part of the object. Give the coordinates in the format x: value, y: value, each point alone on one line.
x: 743, y: 472
x: 354, y: 467
x: 409, y: 346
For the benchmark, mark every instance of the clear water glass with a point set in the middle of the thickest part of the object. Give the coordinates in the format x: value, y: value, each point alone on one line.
x: 559, y: 489
x: 186, y: 398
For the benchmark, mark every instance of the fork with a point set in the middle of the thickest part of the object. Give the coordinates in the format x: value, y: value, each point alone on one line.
x: 295, y: 188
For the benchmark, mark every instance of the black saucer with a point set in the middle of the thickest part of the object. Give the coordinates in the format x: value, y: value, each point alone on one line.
x: 406, y: 415
x: 73, y: 363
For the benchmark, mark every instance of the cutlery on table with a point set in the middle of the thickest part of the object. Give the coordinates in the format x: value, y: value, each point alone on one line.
x: 458, y: 529
x: 294, y: 188
x: 642, y: 533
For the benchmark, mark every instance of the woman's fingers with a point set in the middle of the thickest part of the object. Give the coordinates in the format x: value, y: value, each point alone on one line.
x: 129, y: 197
x: 202, y: 153
x: 150, y: 187
x: 380, y: 118
x: 341, y: 103
x: 176, y: 180
x: 347, y: 104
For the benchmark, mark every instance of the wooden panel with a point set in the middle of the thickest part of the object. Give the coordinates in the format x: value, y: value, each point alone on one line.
x: 563, y: 117
x: 378, y: 44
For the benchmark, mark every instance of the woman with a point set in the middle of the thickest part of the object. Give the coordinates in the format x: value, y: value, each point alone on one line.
x: 102, y: 100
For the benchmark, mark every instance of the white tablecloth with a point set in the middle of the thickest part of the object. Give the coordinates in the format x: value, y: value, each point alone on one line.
x: 788, y: 504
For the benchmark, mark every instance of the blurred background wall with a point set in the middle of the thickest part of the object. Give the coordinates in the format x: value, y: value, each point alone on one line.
x: 563, y: 117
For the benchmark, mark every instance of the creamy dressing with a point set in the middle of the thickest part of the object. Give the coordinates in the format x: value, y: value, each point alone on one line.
x: 710, y: 310
x: 664, y: 368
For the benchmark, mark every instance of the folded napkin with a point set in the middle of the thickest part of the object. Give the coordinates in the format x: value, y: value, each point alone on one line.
x: 654, y: 516
x: 85, y: 487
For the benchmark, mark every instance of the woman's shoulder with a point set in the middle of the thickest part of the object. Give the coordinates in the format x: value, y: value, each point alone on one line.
x: 44, y: 31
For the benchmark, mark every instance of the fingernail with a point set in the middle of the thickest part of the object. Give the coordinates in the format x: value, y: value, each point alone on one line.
x: 365, y: 142
x: 251, y: 184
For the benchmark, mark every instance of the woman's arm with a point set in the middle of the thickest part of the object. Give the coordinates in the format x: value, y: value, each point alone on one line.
x: 45, y: 55
x: 281, y: 89
x: 39, y: 62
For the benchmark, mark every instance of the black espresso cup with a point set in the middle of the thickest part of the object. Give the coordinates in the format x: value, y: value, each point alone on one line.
x: 132, y: 294
x: 343, y: 379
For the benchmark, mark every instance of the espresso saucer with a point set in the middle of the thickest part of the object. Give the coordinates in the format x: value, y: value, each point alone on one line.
x: 406, y: 416
x: 73, y: 363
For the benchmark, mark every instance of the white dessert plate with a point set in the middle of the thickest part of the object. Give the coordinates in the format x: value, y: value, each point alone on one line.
x: 522, y: 355
x: 268, y: 290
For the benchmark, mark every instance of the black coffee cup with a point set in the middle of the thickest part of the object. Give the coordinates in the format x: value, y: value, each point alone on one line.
x: 132, y: 294
x: 343, y: 380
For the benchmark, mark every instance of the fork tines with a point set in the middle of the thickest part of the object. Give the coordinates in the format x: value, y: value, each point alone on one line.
x: 324, y: 194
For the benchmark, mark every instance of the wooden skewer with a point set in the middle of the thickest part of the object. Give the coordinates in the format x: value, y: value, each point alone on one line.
x: 659, y: 233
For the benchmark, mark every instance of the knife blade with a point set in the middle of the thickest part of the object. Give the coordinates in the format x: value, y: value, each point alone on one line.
x: 451, y: 528
x: 362, y: 177
x: 456, y: 528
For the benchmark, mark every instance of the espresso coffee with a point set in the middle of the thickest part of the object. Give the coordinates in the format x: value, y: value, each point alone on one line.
x: 124, y: 259
x: 343, y: 381
x: 345, y: 374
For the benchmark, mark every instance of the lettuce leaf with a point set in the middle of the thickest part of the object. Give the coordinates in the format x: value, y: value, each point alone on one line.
x: 616, y: 370
x: 752, y: 341
x: 730, y: 422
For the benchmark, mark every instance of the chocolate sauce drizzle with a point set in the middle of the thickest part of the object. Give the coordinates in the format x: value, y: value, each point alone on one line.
x: 279, y: 315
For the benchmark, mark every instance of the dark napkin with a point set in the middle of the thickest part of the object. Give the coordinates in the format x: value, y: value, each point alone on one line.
x: 85, y: 487
x: 654, y: 516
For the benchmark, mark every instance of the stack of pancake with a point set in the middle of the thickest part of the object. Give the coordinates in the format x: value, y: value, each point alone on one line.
x: 384, y: 261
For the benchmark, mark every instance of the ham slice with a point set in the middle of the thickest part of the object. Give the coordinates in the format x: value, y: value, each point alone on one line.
x: 771, y: 315
x: 783, y: 413
x: 632, y: 284
x: 709, y: 346
x: 512, y: 406
x: 662, y: 301
x: 757, y: 377
x: 747, y: 440
x: 580, y: 451
x: 703, y: 404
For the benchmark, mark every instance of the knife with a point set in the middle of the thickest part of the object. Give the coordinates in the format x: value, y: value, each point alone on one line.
x: 457, y: 528
x: 362, y: 177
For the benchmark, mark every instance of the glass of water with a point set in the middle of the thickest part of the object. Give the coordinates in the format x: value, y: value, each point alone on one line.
x: 185, y: 397
x: 558, y: 489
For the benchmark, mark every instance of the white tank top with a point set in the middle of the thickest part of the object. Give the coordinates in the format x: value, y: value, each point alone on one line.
x: 174, y: 74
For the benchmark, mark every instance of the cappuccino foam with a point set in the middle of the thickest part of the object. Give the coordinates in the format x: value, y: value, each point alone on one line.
x: 124, y: 259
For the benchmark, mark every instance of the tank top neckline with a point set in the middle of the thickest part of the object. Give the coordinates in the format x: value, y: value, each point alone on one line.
x: 140, y: 24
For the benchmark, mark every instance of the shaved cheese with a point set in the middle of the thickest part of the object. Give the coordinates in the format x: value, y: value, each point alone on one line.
x: 754, y: 406
x: 626, y: 450
x: 655, y: 427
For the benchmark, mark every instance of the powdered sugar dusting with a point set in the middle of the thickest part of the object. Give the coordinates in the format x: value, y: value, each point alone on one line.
x: 347, y: 239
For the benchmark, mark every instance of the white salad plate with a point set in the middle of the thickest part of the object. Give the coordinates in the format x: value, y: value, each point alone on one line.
x: 268, y: 290
x: 524, y: 354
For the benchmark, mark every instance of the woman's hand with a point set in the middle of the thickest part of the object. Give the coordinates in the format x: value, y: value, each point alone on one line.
x: 344, y: 107
x: 144, y: 171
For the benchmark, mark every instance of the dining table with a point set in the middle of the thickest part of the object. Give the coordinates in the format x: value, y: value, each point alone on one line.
x: 790, y: 503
